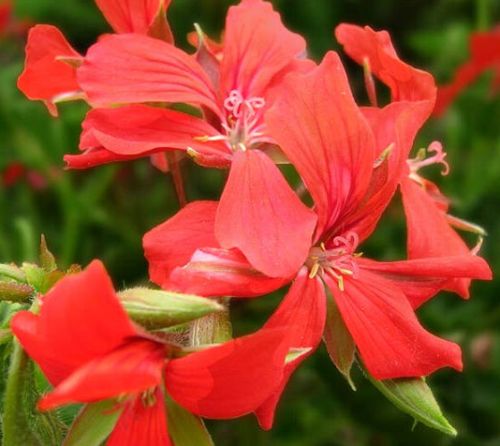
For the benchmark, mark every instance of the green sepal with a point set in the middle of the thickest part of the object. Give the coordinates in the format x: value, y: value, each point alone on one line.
x: 40, y: 279
x: 415, y: 397
x: 338, y: 341
x: 214, y: 328
x: 93, y: 424
x: 296, y: 353
x: 47, y: 259
x: 185, y: 428
x: 156, y: 309
x: 22, y: 423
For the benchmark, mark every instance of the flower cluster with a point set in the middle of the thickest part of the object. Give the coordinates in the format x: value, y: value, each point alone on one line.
x: 249, y: 103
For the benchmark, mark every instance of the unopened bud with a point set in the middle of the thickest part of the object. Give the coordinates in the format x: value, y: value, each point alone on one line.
x: 156, y: 309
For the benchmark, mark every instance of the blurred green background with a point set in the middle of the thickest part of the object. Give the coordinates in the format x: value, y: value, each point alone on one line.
x: 104, y: 212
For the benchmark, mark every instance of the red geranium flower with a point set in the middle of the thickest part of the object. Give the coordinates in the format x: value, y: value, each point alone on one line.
x: 484, y: 55
x: 50, y: 69
x: 337, y: 153
x: 258, y: 212
x: 430, y: 231
x: 89, y: 350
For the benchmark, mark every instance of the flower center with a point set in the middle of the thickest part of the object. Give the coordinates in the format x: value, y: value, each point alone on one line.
x: 243, y: 125
x: 336, y: 261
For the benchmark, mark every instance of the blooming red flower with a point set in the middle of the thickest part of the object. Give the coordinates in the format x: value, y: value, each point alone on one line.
x: 258, y: 212
x: 50, y: 69
x: 484, y: 55
x: 337, y: 152
x: 430, y: 231
x: 89, y: 350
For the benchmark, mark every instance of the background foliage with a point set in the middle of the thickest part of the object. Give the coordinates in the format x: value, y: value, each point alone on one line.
x: 104, y: 212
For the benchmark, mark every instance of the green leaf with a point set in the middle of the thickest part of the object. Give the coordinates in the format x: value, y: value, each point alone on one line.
x: 338, y: 341
x: 22, y: 423
x: 93, y: 424
x: 155, y: 309
x: 185, y: 428
x: 415, y: 397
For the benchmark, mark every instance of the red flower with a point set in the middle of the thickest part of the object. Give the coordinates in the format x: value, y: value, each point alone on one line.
x: 89, y: 351
x: 258, y: 212
x: 430, y: 232
x: 50, y: 69
x: 336, y: 151
x: 484, y: 55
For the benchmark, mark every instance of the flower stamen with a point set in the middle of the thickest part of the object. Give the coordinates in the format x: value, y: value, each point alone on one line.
x: 336, y: 261
x: 421, y: 160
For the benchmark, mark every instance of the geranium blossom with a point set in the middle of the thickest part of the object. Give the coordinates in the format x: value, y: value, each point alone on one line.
x: 430, y: 231
x: 337, y: 153
x: 107, y: 356
x: 49, y: 74
x: 258, y: 211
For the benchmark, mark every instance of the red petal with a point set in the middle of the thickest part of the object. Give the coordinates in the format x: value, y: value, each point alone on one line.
x: 172, y: 243
x: 230, y: 380
x: 395, y: 127
x: 391, y: 341
x: 142, y: 130
x: 134, y: 367
x: 213, y: 272
x: 142, y: 424
x: 131, y: 68
x: 302, y: 313
x: 406, y: 82
x: 421, y: 279
x: 323, y: 133
x: 429, y: 233
x: 58, y: 340
x: 132, y: 16
x: 44, y: 76
x: 257, y: 46
x: 261, y: 216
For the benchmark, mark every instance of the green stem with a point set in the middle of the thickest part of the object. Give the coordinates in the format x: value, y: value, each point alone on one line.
x: 22, y: 424
x: 14, y: 422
